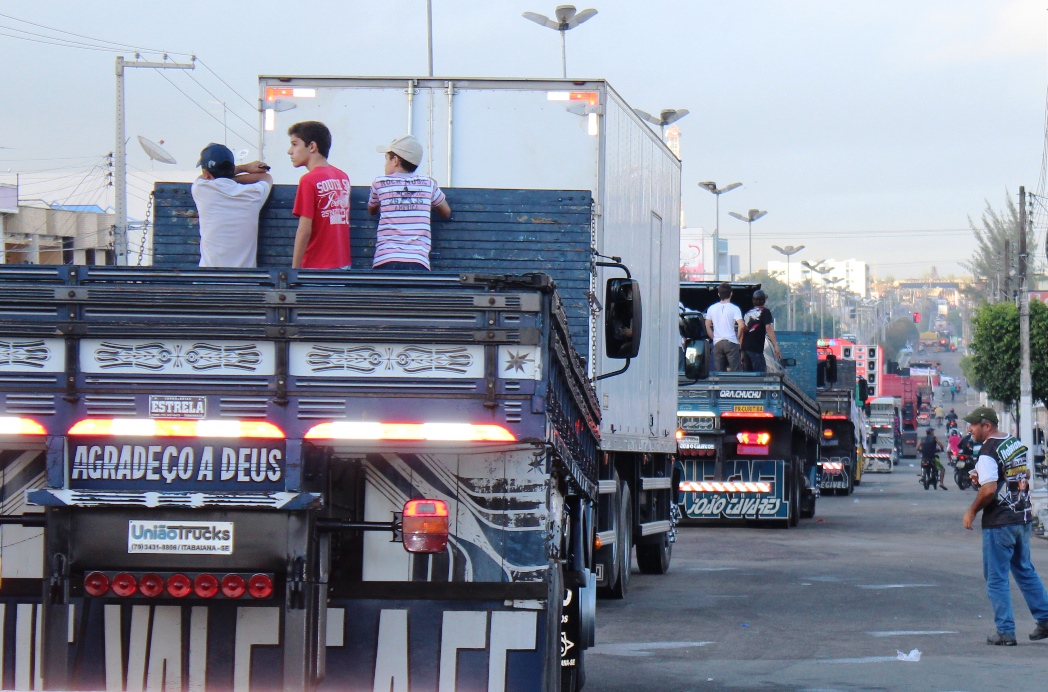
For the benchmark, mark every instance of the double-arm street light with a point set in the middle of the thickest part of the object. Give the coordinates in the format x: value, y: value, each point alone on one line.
x: 711, y: 186
x: 667, y: 116
x: 830, y: 284
x: 567, y: 18
x: 751, y: 216
x: 789, y: 251
x: 812, y: 270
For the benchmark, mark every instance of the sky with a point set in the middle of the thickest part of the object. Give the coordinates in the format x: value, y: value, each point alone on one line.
x: 866, y: 129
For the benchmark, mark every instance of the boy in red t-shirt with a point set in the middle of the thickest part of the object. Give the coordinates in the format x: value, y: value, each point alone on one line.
x: 321, y: 203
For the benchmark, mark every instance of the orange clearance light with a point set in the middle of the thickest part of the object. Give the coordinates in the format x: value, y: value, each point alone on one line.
x: 150, y: 427
x: 425, y: 526
x: 20, y: 426
x: 680, y: 434
x: 827, y: 433
x: 428, y: 432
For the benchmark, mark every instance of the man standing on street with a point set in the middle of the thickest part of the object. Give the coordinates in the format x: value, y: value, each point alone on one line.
x: 1002, y: 477
x: 725, y: 328
x: 758, y: 326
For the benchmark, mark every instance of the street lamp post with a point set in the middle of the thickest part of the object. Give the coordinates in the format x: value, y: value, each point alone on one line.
x: 812, y: 270
x: 667, y: 116
x: 830, y: 284
x: 789, y: 251
x: 751, y: 216
x: 567, y: 18
x: 711, y: 186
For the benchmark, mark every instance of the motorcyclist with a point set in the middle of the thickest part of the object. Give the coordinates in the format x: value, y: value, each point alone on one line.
x: 951, y: 418
x: 955, y: 445
x: 930, y: 447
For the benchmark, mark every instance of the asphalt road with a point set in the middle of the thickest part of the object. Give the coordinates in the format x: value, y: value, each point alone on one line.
x: 825, y: 606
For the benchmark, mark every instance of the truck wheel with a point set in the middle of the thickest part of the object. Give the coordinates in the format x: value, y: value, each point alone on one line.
x: 654, y: 558
x: 623, y: 545
x: 574, y: 679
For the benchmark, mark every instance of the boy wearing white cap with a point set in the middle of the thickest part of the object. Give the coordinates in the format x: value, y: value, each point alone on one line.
x: 404, y: 201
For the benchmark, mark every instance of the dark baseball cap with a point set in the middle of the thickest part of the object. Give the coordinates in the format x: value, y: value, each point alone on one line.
x: 217, y: 158
x: 980, y: 414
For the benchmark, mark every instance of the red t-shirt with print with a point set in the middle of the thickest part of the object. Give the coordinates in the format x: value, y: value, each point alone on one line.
x: 323, y: 196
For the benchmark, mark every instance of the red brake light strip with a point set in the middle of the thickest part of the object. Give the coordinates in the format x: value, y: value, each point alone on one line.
x: 431, y: 432
x: 150, y: 427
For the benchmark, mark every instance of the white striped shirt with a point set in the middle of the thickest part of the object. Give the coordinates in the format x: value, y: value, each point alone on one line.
x: 405, y: 203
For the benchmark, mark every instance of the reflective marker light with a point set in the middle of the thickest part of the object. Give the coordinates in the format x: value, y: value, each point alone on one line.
x: 205, y: 586
x: 431, y: 432
x: 723, y: 487
x: 151, y: 585
x: 834, y: 416
x: 96, y: 584
x: 124, y: 585
x: 832, y: 466
x: 150, y: 427
x: 179, y: 586
x: 260, y: 586
x: 20, y: 426
x: 233, y: 586
x: 425, y: 526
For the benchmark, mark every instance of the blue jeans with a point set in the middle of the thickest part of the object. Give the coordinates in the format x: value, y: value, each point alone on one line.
x: 1004, y: 548
x: 753, y: 361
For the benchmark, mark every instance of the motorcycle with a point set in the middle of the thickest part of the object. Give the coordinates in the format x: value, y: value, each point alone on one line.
x: 929, y: 473
x: 961, y: 469
x: 950, y: 425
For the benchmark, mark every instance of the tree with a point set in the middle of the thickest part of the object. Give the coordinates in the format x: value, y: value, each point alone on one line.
x: 897, y: 334
x: 995, y: 351
x: 987, y: 263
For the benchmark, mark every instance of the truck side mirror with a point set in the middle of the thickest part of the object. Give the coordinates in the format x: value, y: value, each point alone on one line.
x: 692, y: 325
x: 697, y: 359
x: 788, y: 362
x: 831, y: 368
x: 623, y: 318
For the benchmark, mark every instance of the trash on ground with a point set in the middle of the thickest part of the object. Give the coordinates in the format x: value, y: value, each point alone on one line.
x: 914, y: 655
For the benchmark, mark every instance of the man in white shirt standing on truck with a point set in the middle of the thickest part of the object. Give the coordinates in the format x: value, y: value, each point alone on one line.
x: 725, y: 327
x: 228, y: 200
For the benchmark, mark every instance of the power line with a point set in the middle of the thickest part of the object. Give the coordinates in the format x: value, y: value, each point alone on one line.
x: 205, y: 110
x: 231, y: 112
x: 122, y: 46
x: 56, y: 43
x: 253, y: 106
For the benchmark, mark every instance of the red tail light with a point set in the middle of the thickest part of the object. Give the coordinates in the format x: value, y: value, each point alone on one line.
x: 20, y: 426
x: 150, y: 427
x: 260, y: 586
x: 753, y: 443
x: 96, y: 584
x: 151, y: 585
x: 425, y: 526
x: 233, y: 586
x: 179, y: 586
x: 124, y: 585
x: 205, y: 586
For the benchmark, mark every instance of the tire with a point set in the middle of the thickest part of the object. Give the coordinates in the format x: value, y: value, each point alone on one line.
x: 574, y: 679
x: 654, y: 558
x: 623, y: 546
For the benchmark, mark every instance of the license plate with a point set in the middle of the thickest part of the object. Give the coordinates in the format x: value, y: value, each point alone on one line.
x: 749, y: 409
x: 180, y: 537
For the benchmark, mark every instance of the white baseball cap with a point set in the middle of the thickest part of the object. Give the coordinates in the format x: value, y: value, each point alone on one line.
x: 406, y: 147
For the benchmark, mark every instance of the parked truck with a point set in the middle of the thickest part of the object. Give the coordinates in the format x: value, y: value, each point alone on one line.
x: 883, y: 438
x: 749, y: 442
x: 841, y: 423
x: 900, y: 385
x: 348, y: 479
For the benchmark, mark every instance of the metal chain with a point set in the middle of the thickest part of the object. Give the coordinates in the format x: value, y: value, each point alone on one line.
x: 147, y: 229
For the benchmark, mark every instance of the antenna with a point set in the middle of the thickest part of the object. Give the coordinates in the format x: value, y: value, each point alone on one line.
x: 154, y: 151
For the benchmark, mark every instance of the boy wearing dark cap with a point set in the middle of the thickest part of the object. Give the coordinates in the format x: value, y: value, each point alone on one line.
x: 1003, y: 479
x: 228, y: 199
x: 404, y: 201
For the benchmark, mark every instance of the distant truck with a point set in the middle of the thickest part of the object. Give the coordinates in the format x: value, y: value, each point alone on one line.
x: 882, y: 438
x: 840, y: 427
x: 749, y: 442
x: 904, y: 388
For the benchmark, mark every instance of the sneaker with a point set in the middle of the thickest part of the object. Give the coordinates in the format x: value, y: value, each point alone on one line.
x: 1041, y: 631
x: 999, y: 639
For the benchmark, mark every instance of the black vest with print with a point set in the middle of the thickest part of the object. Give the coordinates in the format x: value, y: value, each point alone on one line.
x: 1011, y: 503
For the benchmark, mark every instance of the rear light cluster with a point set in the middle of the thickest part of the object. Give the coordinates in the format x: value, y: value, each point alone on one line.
x: 694, y: 447
x: 178, y: 585
x: 685, y: 452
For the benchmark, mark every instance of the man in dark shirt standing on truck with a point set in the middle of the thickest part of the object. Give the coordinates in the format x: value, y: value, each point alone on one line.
x: 757, y: 325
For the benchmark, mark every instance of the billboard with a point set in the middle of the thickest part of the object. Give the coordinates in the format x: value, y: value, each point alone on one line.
x: 8, y: 199
x: 696, y: 255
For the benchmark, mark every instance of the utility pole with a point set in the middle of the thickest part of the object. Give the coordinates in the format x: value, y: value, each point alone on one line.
x: 1025, y: 382
x: 120, y: 152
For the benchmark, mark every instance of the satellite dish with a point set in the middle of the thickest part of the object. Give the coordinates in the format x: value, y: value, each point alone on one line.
x: 155, y: 152
x: 242, y: 155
